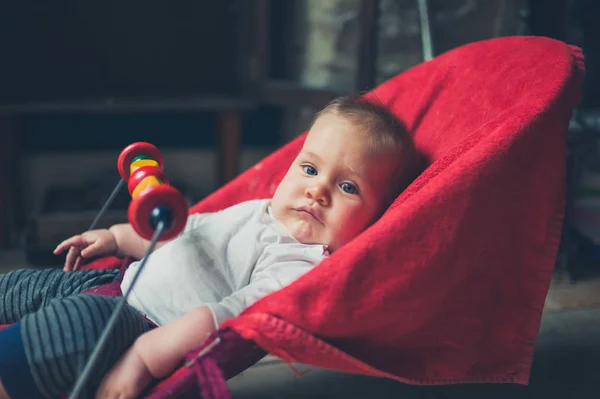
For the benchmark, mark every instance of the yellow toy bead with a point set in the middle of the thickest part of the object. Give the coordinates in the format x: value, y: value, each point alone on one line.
x: 136, y: 164
x: 145, y: 183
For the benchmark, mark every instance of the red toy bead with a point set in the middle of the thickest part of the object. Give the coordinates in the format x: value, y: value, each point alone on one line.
x: 143, y: 172
x: 165, y: 196
x: 134, y: 150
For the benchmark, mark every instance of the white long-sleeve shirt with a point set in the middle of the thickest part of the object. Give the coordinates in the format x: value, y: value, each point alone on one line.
x: 226, y: 260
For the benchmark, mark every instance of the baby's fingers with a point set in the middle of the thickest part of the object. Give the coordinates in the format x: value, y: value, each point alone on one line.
x: 75, y: 241
x: 95, y: 249
x: 72, y: 256
x: 77, y: 263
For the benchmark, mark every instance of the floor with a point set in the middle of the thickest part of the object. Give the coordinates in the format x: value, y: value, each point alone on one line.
x: 566, y: 365
x: 566, y: 362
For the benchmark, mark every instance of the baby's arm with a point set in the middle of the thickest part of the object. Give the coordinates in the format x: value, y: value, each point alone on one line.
x: 129, y: 243
x: 163, y: 348
x: 156, y: 354
x: 120, y: 240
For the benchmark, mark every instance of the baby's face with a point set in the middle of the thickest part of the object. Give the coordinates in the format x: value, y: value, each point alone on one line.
x: 336, y: 187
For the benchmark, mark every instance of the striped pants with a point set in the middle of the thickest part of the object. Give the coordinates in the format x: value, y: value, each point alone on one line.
x: 55, y: 327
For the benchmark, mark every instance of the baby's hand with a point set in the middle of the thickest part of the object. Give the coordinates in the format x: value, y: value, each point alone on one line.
x: 89, y: 244
x: 127, y: 379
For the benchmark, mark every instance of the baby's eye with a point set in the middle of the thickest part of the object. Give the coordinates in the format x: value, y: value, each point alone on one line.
x: 309, y: 170
x: 349, y: 188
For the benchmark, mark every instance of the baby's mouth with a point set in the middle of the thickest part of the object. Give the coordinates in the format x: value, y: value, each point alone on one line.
x: 310, y: 211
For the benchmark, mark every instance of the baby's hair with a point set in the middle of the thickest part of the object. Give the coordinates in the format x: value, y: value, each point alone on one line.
x: 387, y: 133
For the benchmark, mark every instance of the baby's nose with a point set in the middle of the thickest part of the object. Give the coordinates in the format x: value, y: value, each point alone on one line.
x: 319, y: 193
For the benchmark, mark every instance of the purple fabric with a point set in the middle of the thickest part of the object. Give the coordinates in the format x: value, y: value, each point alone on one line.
x: 210, y: 379
x: 233, y: 354
x: 111, y: 289
x: 114, y: 288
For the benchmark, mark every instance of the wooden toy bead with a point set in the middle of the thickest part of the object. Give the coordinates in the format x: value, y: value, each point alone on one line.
x: 166, y: 202
x: 139, y: 162
x: 148, y: 182
x: 144, y: 177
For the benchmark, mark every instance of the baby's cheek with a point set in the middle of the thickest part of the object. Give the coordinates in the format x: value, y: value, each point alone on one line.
x: 356, y: 222
x: 342, y: 229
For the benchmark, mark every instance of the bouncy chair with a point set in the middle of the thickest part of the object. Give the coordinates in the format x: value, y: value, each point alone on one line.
x: 449, y: 285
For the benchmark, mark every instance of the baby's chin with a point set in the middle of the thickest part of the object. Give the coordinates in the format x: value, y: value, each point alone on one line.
x: 304, y: 232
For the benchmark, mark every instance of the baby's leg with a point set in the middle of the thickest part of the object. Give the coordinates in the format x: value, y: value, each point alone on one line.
x: 54, y: 343
x: 27, y: 290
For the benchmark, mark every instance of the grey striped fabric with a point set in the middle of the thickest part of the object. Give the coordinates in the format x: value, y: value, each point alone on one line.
x: 27, y: 290
x: 60, y: 326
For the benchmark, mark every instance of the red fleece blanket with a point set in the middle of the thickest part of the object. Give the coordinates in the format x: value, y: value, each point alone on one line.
x: 449, y: 285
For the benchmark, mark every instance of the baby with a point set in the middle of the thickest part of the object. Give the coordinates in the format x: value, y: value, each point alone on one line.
x: 357, y: 157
